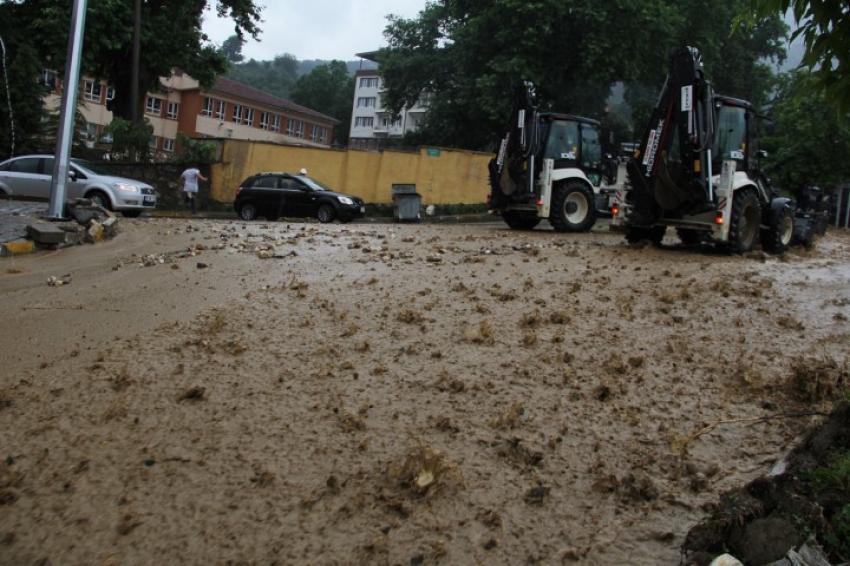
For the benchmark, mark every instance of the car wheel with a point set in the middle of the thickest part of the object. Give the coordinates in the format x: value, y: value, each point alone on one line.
x: 326, y: 213
x: 131, y: 213
x: 100, y: 199
x: 248, y: 211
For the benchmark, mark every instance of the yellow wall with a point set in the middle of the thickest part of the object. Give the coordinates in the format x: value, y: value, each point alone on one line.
x: 452, y: 177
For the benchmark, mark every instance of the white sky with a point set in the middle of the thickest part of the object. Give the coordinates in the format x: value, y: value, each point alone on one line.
x: 317, y: 29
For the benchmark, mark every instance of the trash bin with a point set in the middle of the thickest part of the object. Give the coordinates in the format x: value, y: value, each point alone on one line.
x: 407, y: 203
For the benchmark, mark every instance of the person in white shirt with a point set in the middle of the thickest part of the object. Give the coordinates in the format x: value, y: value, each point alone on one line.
x: 189, y: 181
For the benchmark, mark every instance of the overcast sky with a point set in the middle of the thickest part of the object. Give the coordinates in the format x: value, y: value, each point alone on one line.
x: 317, y: 29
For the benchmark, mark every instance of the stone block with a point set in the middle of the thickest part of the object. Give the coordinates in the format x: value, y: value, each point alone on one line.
x: 44, y: 233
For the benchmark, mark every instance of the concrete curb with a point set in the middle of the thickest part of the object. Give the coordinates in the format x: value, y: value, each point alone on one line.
x: 17, y: 247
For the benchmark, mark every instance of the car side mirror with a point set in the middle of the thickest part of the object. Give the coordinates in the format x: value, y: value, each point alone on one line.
x: 761, y: 154
x: 72, y: 174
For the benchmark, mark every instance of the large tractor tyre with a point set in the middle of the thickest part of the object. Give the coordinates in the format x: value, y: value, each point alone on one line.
x: 745, y: 223
x: 653, y: 235
x: 520, y: 220
x: 778, y: 236
x: 690, y: 237
x: 572, y: 208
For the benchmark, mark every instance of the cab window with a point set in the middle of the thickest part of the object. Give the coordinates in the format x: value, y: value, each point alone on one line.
x: 591, y: 148
x: 563, y: 141
x: 731, y: 134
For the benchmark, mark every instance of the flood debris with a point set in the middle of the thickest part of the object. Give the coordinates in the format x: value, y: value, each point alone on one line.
x: 424, y: 472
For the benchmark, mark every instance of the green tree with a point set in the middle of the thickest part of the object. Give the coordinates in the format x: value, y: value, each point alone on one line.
x: 810, y: 141
x: 232, y: 49
x: 824, y: 26
x: 171, y: 37
x: 467, y: 55
x: 737, y: 58
x: 329, y: 89
x: 21, y: 92
x: 275, y: 77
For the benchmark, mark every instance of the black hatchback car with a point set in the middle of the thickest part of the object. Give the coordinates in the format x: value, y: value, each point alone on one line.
x: 272, y: 195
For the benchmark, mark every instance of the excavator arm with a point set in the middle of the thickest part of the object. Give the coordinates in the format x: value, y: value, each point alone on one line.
x: 671, y: 169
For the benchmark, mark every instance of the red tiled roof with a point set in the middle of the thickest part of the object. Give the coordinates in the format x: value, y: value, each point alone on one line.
x: 230, y: 87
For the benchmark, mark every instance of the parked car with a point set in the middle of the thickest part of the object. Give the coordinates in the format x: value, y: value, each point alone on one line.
x: 29, y: 176
x: 272, y: 195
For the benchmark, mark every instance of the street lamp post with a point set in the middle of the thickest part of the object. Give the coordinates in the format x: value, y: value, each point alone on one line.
x: 66, y: 116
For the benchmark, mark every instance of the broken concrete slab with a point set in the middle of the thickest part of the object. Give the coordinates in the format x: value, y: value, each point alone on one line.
x: 46, y: 234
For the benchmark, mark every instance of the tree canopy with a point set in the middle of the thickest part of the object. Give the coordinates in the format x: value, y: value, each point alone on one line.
x: 329, y: 89
x: 171, y: 37
x: 276, y: 77
x: 825, y: 29
x: 22, y: 68
x: 810, y: 140
x: 467, y: 55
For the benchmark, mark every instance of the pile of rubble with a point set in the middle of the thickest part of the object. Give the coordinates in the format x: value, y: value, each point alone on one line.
x: 88, y: 224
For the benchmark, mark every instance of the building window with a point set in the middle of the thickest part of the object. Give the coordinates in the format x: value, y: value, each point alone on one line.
x: 89, y: 132
x: 219, y: 109
x: 248, y: 116
x: 369, y: 82
x: 269, y: 121
x: 207, y: 110
x: 173, y: 110
x: 153, y: 105
x: 48, y: 79
x: 319, y: 134
x: 152, y: 142
x: 295, y: 128
x: 110, y: 93
x: 366, y: 102
x: 237, y: 113
x: 168, y: 145
x: 364, y: 122
x: 91, y: 90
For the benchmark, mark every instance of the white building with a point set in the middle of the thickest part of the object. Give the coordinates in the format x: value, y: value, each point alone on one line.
x: 371, y: 124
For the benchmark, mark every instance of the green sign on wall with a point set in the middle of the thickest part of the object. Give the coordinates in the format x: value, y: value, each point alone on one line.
x: 433, y: 152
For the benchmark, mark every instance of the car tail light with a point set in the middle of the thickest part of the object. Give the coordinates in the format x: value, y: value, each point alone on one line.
x: 718, y: 218
x: 540, y: 202
x: 615, y: 210
x: 238, y: 190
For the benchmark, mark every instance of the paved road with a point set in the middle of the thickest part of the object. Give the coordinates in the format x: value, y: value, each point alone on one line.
x: 15, y: 215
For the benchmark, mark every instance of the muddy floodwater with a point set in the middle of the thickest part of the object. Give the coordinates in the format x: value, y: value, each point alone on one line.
x: 211, y: 392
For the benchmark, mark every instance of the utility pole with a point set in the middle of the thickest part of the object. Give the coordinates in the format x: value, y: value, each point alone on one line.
x: 66, y: 117
x: 134, y: 75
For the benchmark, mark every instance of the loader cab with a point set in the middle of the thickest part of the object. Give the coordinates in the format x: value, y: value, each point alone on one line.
x: 572, y: 141
x: 734, y: 133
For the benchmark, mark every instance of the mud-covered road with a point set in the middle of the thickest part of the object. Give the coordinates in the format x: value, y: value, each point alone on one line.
x: 218, y: 392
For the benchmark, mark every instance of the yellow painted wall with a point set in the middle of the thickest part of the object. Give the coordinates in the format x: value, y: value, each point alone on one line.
x: 452, y: 177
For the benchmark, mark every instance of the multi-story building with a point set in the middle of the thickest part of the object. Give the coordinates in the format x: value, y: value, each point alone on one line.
x: 229, y: 109
x: 372, y: 125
